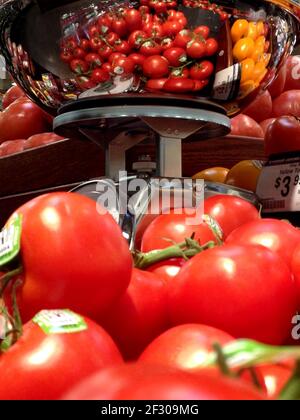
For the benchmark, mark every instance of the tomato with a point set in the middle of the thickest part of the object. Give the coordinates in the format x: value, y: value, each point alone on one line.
x: 261, y: 108
x: 93, y: 31
x: 282, y: 136
x: 119, y: 26
x: 275, y: 378
x: 202, y: 70
x: 40, y: 357
x: 159, y: 6
x: 288, y: 103
x: 259, y: 71
x: 122, y: 47
x: 93, y: 59
x: 296, y: 269
x: 84, y: 44
x: 66, y: 56
x: 150, y: 48
x: 79, y: 66
x: 112, y: 38
x: 185, y: 346
x: 22, y: 119
x: 137, y: 38
x: 96, y: 43
x: 242, y: 125
x: 73, y: 256
x: 137, y: 58
x: 293, y: 73
x: 212, y: 47
x: 279, y: 236
x: 133, y: 18
x: 245, y: 290
x: 156, y: 67
x: 140, y: 315
x: 41, y: 139
x: 123, y: 66
x: 104, y: 22
x: 265, y: 124
x: 243, y: 49
x: 200, y: 84
x: 155, y: 84
x: 107, y: 67
x: 105, y: 52
x: 168, y: 269
x: 183, y: 38
x: 166, y: 229
x: 141, y: 381
x: 179, y: 85
x: 215, y: 174
x: 84, y: 82
x: 115, y: 56
x: 99, y: 75
x: 196, y: 49
x: 230, y: 211
x: 79, y: 53
x: 180, y: 72
x: 12, y: 146
x: 154, y: 30
x: 239, y: 29
x: 172, y: 27
x: 176, y: 56
x: 252, y: 31
x: 245, y: 174
x: 202, y: 30
x: 277, y: 86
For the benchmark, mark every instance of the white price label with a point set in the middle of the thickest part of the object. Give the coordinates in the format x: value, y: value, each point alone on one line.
x: 227, y: 83
x: 279, y: 187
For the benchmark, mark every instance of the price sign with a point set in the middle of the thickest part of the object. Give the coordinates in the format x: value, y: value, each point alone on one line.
x: 279, y: 186
x: 227, y: 83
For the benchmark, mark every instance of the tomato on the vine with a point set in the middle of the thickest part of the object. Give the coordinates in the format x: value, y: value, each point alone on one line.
x: 180, y: 72
x: 156, y: 67
x: 183, y: 38
x: 155, y: 84
x: 153, y: 30
x: 202, y: 70
x: 167, y: 269
x: 167, y: 43
x: 93, y: 59
x: 133, y: 18
x: 137, y: 58
x: 79, y: 66
x: 212, y: 47
x: 179, y: 85
x: 176, y: 56
x: 96, y: 43
x: 99, y: 75
x: 119, y: 26
x: 172, y: 27
x: 112, y: 38
x: 196, y: 49
x: 79, y: 53
x: 137, y: 38
x: 122, y: 47
x: 202, y: 30
x: 66, y: 56
x: 150, y: 48
x: 115, y: 56
x: 123, y: 66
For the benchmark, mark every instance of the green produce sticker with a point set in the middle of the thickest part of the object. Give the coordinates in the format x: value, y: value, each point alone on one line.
x: 61, y: 321
x: 10, y: 240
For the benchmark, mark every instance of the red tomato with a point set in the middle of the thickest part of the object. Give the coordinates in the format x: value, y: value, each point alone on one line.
x: 12, y: 146
x: 153, y: 30
x: 265, y: 124
x: 146, y: 382
x: 137, y: 58
x: 261, y: 108
x: 41, y: 139
x: 212, y: 47
x: 133, y: 18
x: 180, y: 72
x: 166, y: 229
x: 202, y: 30
x: 112, y: 38
x: 179, y: 85
x: 176, y: 56
x: 79, y: 66
x: 93, y: 59
x: 84, y: 44
x: 155, y: 84
x: 140, y: 315
x: 275, y: 378
x: 185, y: 346
x: 230, y: 212
x: 196, y: 49
x: 22, y: 119
x: 79, y: 53
x: 150, y: 48
x: 11, y: 95
x: 99, y: 75
x: 277, y: 86
x: 279, y: 236
x: 96, y: 43
x: 122, y: 47
x: 167, y: 270
x: 105, y: 52
x: 104, y: 22
x: 296, y: 269
x: 115, y: 56
x: 137, y: 38
x: 123, y: 66
x: 167, y: 43
x: 242, y: 125
x: 293, y: 73
x: 120, y: 27
x: 73, y: 256
x: 183, y: 38
x: 49, y: 364
x: 107, y: 67
x: 245, y: 290
x: 66, y: 56
x: 200, y: 84
x: 156, y: 67
x: 93, y: 31
x: 172, y: 27
x: 202, y: 70
x: 288, y: 103
x: 282, y: 136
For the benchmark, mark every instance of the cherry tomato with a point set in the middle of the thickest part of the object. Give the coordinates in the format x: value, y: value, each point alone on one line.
x: 200, y: 84
x: 11, y: 95
x: 279, y: 236
x: 176, y: 56
x: 66, y: 56
x: 242, y: 125
x: 119, y: 26
x: 140, y: 315
x: 153, y: 30
x: 259, y: 71
x: 133, y: 19
x: 137, y: 38
x: 105, y: 52
x: 96, y: 43
x: 70, y: 44
x: 79, y: 66
x: 212, y: 47
x: 107, y: 67
x: 230, y: 212
x: 282, y: 136
x: 180, y: 85
x: 150, y: 48
x: 99, y: 75
x: 123, y: 66
x: 87, y: 264
x: 122, y: 47
x: 93, y: 31
x: 115, y: 56
x: 159, y: 6
x: 196, y: 49
x: 137, y: 58
x: 243, y: 49
x: 183, y: 38
x: 167, y: 43
x: 105, y: 23
x: 155, y: 84
x: 37, y: 356
x: 288, y: 103
x: 112, y: 38
x: 247, y: 68
x: 239, y: 29
x: 180, y: 72
x: 156, y: 67
x: 213, y: 288
x: 79, y: 53
x: 202, y: 70
x: 93, y: 60
x: 202, y: 30
x: 84, y: 44
x: 172, y: 28
x: 261, y: 108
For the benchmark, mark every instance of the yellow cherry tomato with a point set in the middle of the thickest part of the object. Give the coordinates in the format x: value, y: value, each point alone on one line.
x: 260, y: 42
x: 259, y: 72
x: 216, y: 174
x: 257, y: 53
x: 246, y: 88
x: 265, y: 59
x: 260, y: 27
x: 247, y: 69
x: 245, y: 175
x: 243, y: 49
x: 252, y: 31
x: 239, y: 29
